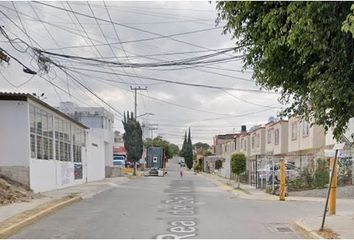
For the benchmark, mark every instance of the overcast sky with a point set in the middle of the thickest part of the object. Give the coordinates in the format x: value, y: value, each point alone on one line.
x: 207, y: 111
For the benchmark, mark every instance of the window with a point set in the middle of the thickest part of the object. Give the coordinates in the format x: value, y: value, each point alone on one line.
x: 41, y: 136
x: 293, y: 131
x: 62, y: 140
x: 276, y: 136
x: 78, y: 142
x: 305, y: 128
x: 269, y: 135
x: 252, y: 142
x: 32, y: 131
x: 257, y: 140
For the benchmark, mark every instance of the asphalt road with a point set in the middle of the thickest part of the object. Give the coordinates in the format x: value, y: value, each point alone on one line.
x: 172, y: 207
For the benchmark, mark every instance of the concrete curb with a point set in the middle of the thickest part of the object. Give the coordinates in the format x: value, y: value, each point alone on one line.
x: 19, y: 221
x: 305, y: 231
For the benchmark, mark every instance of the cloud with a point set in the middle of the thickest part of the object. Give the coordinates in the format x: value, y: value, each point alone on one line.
x: 163, y: 18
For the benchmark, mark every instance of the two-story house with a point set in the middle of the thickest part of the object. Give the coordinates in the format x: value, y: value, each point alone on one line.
x: 257, y: 157
x: 305, y: 142
x: 276, y: 139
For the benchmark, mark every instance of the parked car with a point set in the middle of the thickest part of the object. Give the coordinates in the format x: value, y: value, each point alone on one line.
x: 267, y: 172
x: 119, y: 161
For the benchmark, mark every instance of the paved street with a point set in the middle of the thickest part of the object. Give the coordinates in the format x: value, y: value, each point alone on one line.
x: 170, y: 207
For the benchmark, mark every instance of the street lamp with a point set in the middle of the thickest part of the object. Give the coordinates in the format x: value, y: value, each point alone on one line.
x: 145, y: 114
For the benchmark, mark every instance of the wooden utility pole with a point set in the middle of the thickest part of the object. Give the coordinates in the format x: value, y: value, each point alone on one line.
x: 282, y: 176
x: 135, y: 97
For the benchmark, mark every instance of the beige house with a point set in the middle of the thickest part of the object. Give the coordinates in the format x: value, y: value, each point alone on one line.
x: 257, y: 142
x: 276, y: 139
x: 305, y: 142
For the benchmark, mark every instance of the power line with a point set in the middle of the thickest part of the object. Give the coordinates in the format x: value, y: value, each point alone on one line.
x: 185, y: 61
x: 181, y: 83
x: 123, y: 25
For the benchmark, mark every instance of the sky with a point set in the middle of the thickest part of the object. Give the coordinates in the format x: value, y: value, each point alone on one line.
x: 135, y: 33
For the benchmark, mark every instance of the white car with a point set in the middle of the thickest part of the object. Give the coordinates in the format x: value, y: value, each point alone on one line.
x: 267, y: 172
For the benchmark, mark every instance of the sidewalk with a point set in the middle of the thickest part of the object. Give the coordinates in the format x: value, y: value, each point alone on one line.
x: 339, y: 226
x: 82, y: 191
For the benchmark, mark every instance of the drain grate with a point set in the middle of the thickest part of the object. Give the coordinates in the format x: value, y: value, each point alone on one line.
x: 284, y: 229
x: 279, y: 228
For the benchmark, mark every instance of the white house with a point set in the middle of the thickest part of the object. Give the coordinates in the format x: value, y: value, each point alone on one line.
x: 100, y: 121
x: 42, y: 147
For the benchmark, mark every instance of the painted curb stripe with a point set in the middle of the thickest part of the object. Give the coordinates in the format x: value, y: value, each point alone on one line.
x: 8, y: 231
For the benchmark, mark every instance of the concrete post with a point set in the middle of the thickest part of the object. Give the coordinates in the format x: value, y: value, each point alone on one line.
x: 333, y: 190
x: 282, y: 176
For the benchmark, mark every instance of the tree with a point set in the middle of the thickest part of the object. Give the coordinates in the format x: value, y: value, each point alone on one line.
x: 175, y: 149
x: 238, y: 165
x: 201, y: 148
x: 133, y: 141
x: 183, y: 150
x: 188, y: 154
x: 301, y: 50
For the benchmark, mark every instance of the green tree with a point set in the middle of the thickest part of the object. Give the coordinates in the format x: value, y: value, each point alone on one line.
x: 188, y: 154
x: 175, y: 149
x: 238, y: 165
x: 184, y: 145
x: 348, y: 24
x: 133, y: 141
x: 300, y: 50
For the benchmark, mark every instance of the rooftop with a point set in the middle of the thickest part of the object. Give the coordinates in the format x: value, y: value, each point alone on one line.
x: 11, y: 96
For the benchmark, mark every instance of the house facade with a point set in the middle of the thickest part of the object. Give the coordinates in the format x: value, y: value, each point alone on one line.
x: 100, y: 121
x: 276, y: 140
x: 305, y: 142
x: 42, y: 147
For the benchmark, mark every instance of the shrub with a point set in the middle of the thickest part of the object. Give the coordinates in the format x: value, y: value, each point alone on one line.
x: 321, y: 174
x: 218, y: 164
x: 197, y: 167
x: 238, y: 165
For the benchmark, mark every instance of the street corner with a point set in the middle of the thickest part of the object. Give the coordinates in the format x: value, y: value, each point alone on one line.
x: 306, y: 229
x: 13, y: 224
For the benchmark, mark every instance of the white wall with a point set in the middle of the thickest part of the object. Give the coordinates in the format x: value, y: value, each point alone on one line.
x: 95, y: 158
x: 14, y: 133
x: 225, y: 171
x: 46, y: 175
x: 108, y: 137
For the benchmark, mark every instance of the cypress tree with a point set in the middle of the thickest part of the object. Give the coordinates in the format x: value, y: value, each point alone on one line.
x: 133, y: 141
x: 188, y: 155
x: 183, y: 150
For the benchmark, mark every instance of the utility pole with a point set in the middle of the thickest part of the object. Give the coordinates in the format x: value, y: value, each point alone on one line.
x: 135, y: 97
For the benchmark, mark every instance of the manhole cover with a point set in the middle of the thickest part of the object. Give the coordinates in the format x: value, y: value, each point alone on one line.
x: 284, y: 229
